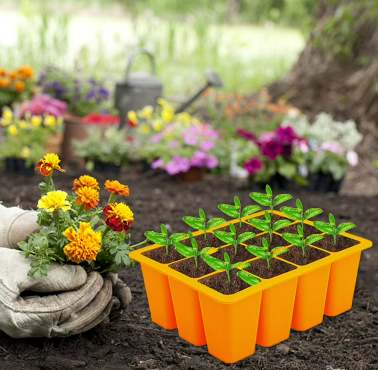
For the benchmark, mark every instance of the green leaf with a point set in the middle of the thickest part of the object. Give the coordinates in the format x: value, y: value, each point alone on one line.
x: 299, y: 205
x: 262, y: 225
x: 313, y: 239
x: 345, y: 227
x: 224, y: 236
x: 292, y: 213
x: 332, y: 219
x: 268, y: 216
x: 193, y: 222
x: 324, y: 227
x: 262, y: 199
x: 265, y: 244
x: 281, y: 198
x: 202, y: 215
x: 245, y: 236
x: 248, y: 278
x: 194, y: 243
x: 184, y: 250
x: 94, y: 221
x: 257, y: 251
x: 300, y: 230
x: 268, y: 190
x: 246, y: 265
x: 215, y: 222
x: 204, y: 250
x: 249, y: 210
x: 164, y: 230
x: 155, y: 237
x: 312, y: 212
x: 235, y: 265
x: 233, y: 229
x: 293, y: 239
x: 229, y: 210
x: 237, y: 202
x: 281, y: 251
x: 213, y: 262
x: 227, y: 258
x: 280, y: 224
x: 177, y: 237
x: 191, y: 236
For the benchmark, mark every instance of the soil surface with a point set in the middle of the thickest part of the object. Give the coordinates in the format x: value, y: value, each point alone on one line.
x: 260, y: 268
x: 295, y: 255
x: 188, y: 267
x: 348, y: 341
x: 293, y: 229
x: 160, y: 255
x: 211, y: 241
x: 328, y: 243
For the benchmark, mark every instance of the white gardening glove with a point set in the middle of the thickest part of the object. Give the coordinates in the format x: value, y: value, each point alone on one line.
x: 72, y: 301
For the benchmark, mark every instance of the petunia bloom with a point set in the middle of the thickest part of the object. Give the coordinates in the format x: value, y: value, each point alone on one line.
x: 116, y: 187
x: 54, y: 201
x: 254, y: 165
x: 119, y: 217
x: 85, y: 180
x: 85, y: 244
x: 48, y: 164
x: 87, y: 196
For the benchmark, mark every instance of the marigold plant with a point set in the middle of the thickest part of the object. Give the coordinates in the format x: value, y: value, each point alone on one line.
x: 72, y: 228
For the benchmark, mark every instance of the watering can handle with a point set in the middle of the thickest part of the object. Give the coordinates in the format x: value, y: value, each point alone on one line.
x: 134, y: 54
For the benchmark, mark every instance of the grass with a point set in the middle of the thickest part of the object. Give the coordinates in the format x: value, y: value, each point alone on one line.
x: 246, y: 57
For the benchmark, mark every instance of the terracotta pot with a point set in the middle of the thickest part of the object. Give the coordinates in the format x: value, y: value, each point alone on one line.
x: 54, y: 143
x: 193, y: 175
x: 74, y: 130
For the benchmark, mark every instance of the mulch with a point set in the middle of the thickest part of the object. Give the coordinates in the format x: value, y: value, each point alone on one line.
x: 348, y: 341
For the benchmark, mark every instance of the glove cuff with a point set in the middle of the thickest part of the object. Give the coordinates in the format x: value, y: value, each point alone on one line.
x: 17, y: 228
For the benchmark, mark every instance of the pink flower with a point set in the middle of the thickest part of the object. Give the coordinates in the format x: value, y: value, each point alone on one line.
x: 246, y: 134
x: 157, y: 138
x: 267, y: 136
x: 254, y: 165
x: 303, y: 146
x: 177, y: 165
x: 212, y: 161
x: 207, y: 145
x: 173, y: 144
x: 159, y: 163
x: 199, y: 159
x: 334, y: 147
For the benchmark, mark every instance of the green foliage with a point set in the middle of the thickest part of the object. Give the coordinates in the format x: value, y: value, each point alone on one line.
x: 298, y: 213
x: 268, y: 200
x: 193, y: 251
x: 331, y: 229
x: 264, y: 253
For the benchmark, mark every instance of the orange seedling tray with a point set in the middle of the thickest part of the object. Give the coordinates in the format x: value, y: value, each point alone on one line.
x: 231, y: 325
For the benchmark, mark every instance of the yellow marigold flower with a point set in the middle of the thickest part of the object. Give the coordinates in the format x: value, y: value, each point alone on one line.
x: 85, y: 244
x: 23, y: 125
x: 25, y: 153
x: 116, y: 187
x: 168, y: 114
x: 162, y: 102
x: 119, y: 217
x: 36, y: 121
x: 13, y: 130
x: 145, y: 129
x: 85, y: 180
x: 7, y: 114
x: 54, y: 200
x: 158, y: 124
x: 87, y: 196
x: 48, y: 164
x: 50, y: 121
x: 132, y: 117
x: 146, y: 112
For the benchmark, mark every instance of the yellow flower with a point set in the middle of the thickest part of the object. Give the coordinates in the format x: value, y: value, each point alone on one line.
x: 85, y: 180
x: 119, y: 217
x: 13, y: 130
x: 162, y: 102
x: 168, y: 114
x: 87, y: 196
x: 59, y: 121
x: 7, y: 114
x: 49, y: 121
x: 54, y: 200
x: 4, y: 122
x: 133, y: 119
x: 146, y: 112
x: 25, y: 152
x: 48, y: 164
x: 184, y: 117
x: 36, y: 121
x: 158, y: 124
x: 23, y: 125
x: 85, y: 244
x: 145, y: 129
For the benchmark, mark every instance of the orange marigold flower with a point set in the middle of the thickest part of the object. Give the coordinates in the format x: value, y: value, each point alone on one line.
x: 119, y: 217
x: 3, y: 72
x: 116, y: 187
x: 85, y: 180
x: 19, y: 86
x: 25, y: 72
x: 85, y: 244
x: 13, y: 75
x: 88, y: 196
x: 48, y: 164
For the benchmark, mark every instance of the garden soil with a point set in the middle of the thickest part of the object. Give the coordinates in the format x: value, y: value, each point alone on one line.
x: 348, y: 341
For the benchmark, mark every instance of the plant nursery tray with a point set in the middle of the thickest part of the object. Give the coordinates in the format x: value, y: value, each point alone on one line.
x: 232, y: 325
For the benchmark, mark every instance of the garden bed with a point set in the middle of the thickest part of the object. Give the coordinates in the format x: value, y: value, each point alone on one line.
x: 348, y: 341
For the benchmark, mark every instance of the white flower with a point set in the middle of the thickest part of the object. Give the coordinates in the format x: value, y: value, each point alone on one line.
x: 352, y: 158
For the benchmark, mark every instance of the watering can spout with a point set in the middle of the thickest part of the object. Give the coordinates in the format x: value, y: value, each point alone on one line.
x: 212, y: 80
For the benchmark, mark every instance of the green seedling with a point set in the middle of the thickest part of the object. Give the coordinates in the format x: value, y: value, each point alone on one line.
x: 264, y: 253
x: 236, y: 211
x: 298, y: 214
x: 267, y: 225
x: 300, y: 241
x: 232, y: 238
x: 193, y: 251
x: 226, y: 265
x: 331, y: 229
x: 201, y: 224
x: 267, y: 199
x: 163, y: 239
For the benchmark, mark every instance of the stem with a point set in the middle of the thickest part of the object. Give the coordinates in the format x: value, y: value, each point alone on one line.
x: 105, y: 232
x: 240, y: 223
x: 302, y: 221
x: 270, y: 236
x: 52, y: 183
x: 271, y: 207
x: 303, y: 249
x: 81, y: 209
x: 334, y: 238
x: 137, y: 245
x: 48, y: 180
x: 228, y: 274
x: 268, y: 261
x: 56, y: 217
x: 112, y: 198
x: 204, y: 229
x: 236, y: 247
x: 167, y: 248
x: 195, y: 259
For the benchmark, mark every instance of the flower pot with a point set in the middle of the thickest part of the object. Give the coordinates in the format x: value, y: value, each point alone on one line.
x: 54, y: 143
x: 193, y: 175
x: 323, y: 183
x: 107, y: 167
x: 276, y: 182
x: 17, y: 165
x: 73, y: 130
x: 231, y: 325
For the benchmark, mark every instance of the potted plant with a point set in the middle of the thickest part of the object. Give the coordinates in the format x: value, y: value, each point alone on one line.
x: 204, y: 307
x: 83, y: 95
x: 104, y: 150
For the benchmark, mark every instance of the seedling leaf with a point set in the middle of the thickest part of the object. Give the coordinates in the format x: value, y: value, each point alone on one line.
x: 281, y: 198
x: 262, y: 199
x: 257, y: 251
x: 332, y: 219
x: 249, y: 210
x: 213, y: 262
x: 202, y: 215
x: 183, y: 249
x: 215, y: 222
x: 312, y: 212
x: 164, y: 230
x: 193, y: 222
x: 313, y: 239
x: 227, y: 258
x: 248, y: 278
x: 324, y: 227
x: 282, y: 251
x: 224, y: 236
x: 293, y: 239
x: 237, y: 202
x: 345, y: 227
x: 155, y: 237
x: 245, y: 236
x: 268, y: 190
x: 292, y: 213
x: 299, y: 205
x: 262, y: 225
x: 229, y: 210
x: 281, y: 224
x: 178, y: 236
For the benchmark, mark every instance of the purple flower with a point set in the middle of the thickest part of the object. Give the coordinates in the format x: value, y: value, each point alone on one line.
x: 287, y: 150
x: 212, y: 161
x: 286, y: 134
x: 254, y: 165
x: 105, y: 93
x: 267, y: 136
x: 157, y: 138
x: 207, y: 145
x: 177, y: 165
x: 159, y: 163
x: 246, y: 134
x: 91, y: 94
x: 173, y: 144
x: 271, y: 149
x: 199, y: 159
x: 190, y: 139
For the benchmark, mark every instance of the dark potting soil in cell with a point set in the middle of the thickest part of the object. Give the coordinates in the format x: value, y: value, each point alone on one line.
x: 160, y: 255
x: 188, y: 267
x: 219, y: 282
x: 293, y: 229
x: 341, y: 243
x: 295, y: 255
x: 244, y: 229
x: 242, y: 255
x: 211, y: 241
x: 260, y: 268
x: 277, y: 241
